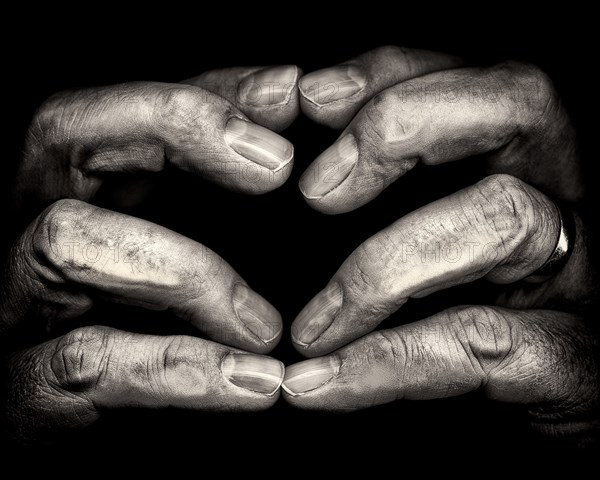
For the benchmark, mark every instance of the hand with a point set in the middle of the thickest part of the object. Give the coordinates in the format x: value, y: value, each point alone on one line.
x: 205, y: 126
x: 74, y: 253
x: 535, y: 346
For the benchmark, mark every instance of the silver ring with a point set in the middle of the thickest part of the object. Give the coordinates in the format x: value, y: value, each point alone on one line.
x: 562, y: 250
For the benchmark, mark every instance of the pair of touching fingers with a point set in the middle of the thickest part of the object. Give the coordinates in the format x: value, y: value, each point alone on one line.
x: 395, y: 108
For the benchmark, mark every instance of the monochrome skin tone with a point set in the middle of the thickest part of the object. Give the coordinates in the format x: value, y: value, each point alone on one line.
x: 394, y: 108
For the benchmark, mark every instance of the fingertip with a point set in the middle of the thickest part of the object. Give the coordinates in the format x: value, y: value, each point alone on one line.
x: 281, y: 175
x: 260, y: 346
x: 258, y: 144
x: 261, y: 319
x: 331, y: 96
x: 327, y: 206
x: 254, y: 374
x: 312, y: 350
x: 270, y: 86
x: 331, y: 169
x: 332, y: 116
x: 301, y: 347
x: 257, y: 346
x: 270, y: 96
x: 334, y: 84
x: 334, y: 203
x: 309, y: 375
x: 264, y: 158
x: 270, y: 401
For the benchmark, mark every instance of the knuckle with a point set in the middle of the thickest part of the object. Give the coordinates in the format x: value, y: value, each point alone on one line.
x: 196, y: 283
x: 535, y: 92
x: 176, y: 99
x: 394, y: 354
x: 48, y: 132
x: 390, y: 346
x: 180, y: 105
x: 363, y: 278
x: 65, y: 117
x: 174, y: 354
x: 374, y: 271
x: 400, y: 57
x: 177, y: 355
x: 47, y: 119
x: 373, y: 124
x: 485, y: 333
x: 503, y: 204
x: 34, y: 405
x: 388, y: 121
x: 359, y: 283
x: 389, y: 52
x: 383, y: 351
x: 187, y: 116
x: 386, y: 129
x: 539, y: 90
x: 557, y: 350
x: 54, y: 224
x: 80, y: 359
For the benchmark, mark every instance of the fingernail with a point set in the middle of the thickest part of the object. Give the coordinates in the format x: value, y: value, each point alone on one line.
x: 253, y: 372
x: 258, y: 315
x: 258, y: 144
x: 316, y: 317
x: 271, y: 86
x: 310, y: 374
x: 330, y: 169
x: 331, y: 84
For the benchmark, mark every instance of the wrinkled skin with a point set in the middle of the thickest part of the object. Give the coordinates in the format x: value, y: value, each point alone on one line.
x: 395, y: 107
x: 74, y: 253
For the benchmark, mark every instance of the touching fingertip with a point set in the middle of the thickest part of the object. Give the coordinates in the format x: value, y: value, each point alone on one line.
x: 256, y: 373
x: 270, y: 86
x: 331, y: 84
x: 309, y: 375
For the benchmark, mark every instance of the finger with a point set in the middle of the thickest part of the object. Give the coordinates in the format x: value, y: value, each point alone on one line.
x: 71, y: 381
x: 539, y: 358
x: 76, y: 138
x: 501, y: 229
x: 333, y: 95
x: 510, y: 113
x: 75, y: 252
x: 267, y: 95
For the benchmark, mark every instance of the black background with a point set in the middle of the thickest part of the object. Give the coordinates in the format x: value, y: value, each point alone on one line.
x: 285, y: 250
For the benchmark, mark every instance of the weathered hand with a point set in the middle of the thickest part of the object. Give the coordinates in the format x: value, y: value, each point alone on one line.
x: 74, y: 253
x: 534, y: 346
x: 205, y: 126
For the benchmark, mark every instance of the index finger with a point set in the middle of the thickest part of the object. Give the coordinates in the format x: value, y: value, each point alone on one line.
x: 75, y: 253
x: 509, y: 115
x: 78, y: 137
x: 500, y: 229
